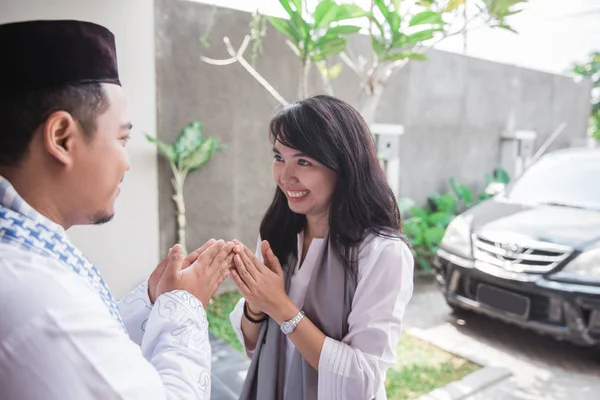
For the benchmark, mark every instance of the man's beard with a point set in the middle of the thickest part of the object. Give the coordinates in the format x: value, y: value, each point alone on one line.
x: 102, y: 218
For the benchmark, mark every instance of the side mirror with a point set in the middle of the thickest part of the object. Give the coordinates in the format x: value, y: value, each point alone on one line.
x: 495, y: 188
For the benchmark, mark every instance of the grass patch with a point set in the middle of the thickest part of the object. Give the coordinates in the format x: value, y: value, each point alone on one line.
x: 218, y: 318
x: 420, y: 368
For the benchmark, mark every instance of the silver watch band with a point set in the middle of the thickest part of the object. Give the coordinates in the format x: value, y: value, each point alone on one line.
x: 288, y: 327
x: 296, y: 320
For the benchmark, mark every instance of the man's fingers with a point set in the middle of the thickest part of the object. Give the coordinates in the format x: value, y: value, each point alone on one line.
x: 228, y: 262
x: 210, y: 253
x: 224, y: 266
x: 193, y: 256
x: 175, y: 260
x: 222, y: 255
x: 223, y: 275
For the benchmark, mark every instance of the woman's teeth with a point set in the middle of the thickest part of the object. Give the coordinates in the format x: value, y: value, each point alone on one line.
x: 296, y: 194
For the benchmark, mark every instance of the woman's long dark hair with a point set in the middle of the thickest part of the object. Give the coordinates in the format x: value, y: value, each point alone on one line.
x: 333, y: 133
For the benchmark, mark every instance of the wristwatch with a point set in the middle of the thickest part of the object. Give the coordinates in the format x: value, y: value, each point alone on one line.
x: 288, y: 327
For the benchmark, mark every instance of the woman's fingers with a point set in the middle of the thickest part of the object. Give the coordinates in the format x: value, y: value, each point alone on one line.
x: 249, y: 264
x: 239, y: 282
x: 242, y: 270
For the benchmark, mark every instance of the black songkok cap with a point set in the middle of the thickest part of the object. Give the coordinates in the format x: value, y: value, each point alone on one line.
x: 50, y: 54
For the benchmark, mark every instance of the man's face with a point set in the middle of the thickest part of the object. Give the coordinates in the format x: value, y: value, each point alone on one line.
x: 101, y: 162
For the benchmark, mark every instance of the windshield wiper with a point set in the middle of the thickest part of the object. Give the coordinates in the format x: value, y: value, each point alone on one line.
x: 559, y: 204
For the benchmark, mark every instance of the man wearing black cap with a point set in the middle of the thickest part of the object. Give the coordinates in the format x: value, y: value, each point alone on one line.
x: 63, y: 132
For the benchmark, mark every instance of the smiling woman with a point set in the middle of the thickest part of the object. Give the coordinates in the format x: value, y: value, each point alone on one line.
x: 325, y: 293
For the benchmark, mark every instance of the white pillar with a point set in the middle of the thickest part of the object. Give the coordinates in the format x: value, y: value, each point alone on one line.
x: 387, y: 137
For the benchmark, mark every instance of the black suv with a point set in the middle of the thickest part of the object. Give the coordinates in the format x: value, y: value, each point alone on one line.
x: 531, y: 255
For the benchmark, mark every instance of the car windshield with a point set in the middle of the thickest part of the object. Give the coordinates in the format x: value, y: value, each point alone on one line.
x: 570, y: 180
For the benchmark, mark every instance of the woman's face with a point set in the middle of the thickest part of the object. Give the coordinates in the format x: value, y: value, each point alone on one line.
x: 307, y: 184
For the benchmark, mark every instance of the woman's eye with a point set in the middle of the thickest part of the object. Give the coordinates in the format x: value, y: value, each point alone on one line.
x: 304, y: 163
x: 277, y: 158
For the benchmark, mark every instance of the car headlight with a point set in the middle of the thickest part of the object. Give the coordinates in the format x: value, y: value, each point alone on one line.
x: 457, y: 238
x: 586, y: 267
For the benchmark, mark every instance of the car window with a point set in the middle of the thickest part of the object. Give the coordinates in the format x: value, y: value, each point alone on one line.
x: 564, y: 180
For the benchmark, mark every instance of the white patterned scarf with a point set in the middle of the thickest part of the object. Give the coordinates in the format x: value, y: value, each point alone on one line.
x: 24, y: 227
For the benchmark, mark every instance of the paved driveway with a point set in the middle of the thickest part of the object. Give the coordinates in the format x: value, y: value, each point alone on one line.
x: 542, y: 367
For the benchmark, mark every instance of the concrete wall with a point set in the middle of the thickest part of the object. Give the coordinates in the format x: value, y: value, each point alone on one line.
x: 454, y: 109
x: 125, y: 250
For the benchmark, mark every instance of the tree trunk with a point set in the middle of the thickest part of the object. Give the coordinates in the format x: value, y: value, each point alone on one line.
x: 324, y: 72
x: 177, y: 182
x: 303, y: 90
x: 370, y: 102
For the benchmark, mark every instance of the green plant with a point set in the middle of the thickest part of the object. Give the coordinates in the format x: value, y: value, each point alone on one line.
x: 316, y: 36
x: 189, y: 152
x: 425, y: 226
x: 591, y: 69
x: 209, y: 28
x: 400, y: 31
x: 258, y: 30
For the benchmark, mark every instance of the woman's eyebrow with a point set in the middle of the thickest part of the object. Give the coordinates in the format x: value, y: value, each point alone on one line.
x: 295, y: 155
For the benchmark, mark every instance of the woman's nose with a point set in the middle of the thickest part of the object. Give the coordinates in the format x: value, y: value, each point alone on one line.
x: 288, y: 174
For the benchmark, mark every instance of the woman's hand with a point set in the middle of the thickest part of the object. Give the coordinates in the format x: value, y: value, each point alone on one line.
x: 262, y: 285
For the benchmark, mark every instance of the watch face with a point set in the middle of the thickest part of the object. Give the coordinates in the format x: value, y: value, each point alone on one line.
x: 287, y: 328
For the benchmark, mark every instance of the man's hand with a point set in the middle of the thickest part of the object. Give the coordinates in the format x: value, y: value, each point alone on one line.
x: 202, y: 278
x: 160, y: 269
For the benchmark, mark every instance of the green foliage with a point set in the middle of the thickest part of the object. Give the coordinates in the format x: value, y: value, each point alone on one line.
x: 190, y: 150
x: 209, y: 28
x: 217, y: 312
x: 258, y: 30
x: 591, y: 70
x: 320, y: 35
x: 425, y: 226
x: 423, y: 368
x: 164, y: 148
x: 395, y: 39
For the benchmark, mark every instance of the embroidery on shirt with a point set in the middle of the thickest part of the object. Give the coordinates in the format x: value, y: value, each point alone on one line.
x: 176, y: 306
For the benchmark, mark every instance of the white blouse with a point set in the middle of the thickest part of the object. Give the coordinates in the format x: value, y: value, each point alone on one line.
x: 355, y: 368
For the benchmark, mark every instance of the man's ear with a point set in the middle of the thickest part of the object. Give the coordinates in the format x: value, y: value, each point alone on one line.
x: 59, y: 133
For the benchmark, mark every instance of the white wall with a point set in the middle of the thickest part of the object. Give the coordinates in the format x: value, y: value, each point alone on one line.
x: 126, y: 249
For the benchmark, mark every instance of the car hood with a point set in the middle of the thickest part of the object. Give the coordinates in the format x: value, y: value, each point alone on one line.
x: 572, y: 227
